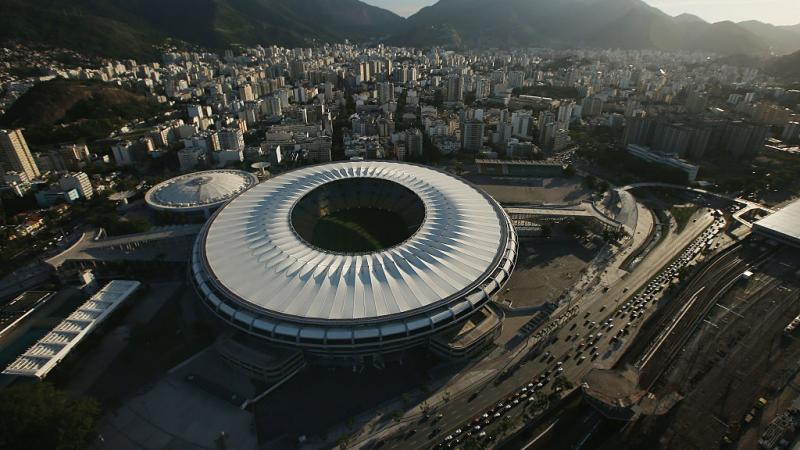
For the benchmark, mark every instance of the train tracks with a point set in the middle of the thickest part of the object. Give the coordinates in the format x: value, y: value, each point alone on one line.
x: 690, y: 308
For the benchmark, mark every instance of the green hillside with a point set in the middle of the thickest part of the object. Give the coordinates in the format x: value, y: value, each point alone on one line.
x: 130, y: 28
x: 66, y: 110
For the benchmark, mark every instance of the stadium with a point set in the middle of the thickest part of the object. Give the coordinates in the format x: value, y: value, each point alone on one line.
x: 354, y: 259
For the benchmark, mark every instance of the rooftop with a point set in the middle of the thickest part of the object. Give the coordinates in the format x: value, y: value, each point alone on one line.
x: 199, y: 190
x: 785, y: 223
x: 51, y: 349
x: 257, y: 247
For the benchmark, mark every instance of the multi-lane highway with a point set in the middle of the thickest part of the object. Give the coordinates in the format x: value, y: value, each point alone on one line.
x: 595, y: 335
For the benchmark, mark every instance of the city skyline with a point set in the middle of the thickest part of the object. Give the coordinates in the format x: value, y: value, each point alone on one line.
x: 776, y: 12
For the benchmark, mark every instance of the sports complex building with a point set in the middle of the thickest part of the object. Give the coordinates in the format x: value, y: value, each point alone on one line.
x: 199, y: 193
x: 357, y: 261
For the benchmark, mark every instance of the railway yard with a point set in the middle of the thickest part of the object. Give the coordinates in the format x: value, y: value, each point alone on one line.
x: 730, y: 350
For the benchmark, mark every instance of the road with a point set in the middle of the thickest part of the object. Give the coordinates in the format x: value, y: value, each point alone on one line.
x: 595, y: 306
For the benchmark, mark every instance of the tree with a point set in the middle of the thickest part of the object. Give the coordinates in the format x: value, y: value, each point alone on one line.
x: 39, y: 416
x: 547, y: 230
x: 590, y: 182
x: 569, y: 171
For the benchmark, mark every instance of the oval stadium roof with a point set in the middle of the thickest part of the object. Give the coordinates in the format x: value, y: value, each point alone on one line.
x: 252, y: 252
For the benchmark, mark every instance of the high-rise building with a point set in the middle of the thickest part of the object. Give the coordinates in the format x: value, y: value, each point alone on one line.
x: 592, y: 106
x: 212, y: 142
x: 414, y: 142
x: 565, y: 114
x: 274, y: 107
x: 15, y: 156
x: 455, y: 89
x: 246, y: 93
x: 297, y: 69
x: 385, y: 92
x: 483, y: 88
x: 123, y: 153
x: 741, y: 139
x: 545, y: 117
x: 521, y: 123
x: 472, y: 135
x: 74, y: 156
x: 231, y: 139
x: 547, y: 135
x: 639, y: 131
x: 516, y: 79
x: 78, y: 181
x: 671, y: 138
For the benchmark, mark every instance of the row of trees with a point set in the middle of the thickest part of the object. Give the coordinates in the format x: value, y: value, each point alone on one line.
x: 37, y: 416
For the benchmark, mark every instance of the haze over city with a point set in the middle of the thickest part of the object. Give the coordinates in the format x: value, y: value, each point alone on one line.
x: 460, y: 224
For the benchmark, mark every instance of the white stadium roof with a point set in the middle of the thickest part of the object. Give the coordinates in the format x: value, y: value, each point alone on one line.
x: 43, y: 356
x: 199, y: 190
x: 252, y: 253
x: 783, y: 224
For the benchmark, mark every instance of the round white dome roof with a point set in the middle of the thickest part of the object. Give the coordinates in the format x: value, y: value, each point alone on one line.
x: 199, y: 190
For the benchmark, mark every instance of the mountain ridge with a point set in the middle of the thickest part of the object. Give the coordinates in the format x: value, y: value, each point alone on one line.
x: 598, y: 23
x: 131, y: 28
x: 122, y: 28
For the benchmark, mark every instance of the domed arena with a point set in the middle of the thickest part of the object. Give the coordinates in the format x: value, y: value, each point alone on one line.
x: 199, y: 191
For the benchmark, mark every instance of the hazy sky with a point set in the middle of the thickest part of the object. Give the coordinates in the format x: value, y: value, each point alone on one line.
x: 778, y: 12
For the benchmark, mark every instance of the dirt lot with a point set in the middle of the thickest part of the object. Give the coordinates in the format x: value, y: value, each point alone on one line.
x: 545, y: 268
x: 532, y: 190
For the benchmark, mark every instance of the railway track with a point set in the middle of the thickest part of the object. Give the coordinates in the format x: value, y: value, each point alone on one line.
x: 695, y: 302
